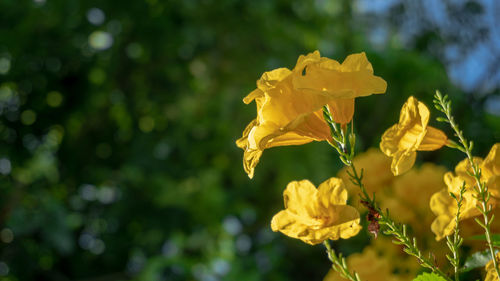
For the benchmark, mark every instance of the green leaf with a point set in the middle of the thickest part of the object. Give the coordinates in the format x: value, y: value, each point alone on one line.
x: 478, y: 259
x: 429, y: 277
x: 495, y: 238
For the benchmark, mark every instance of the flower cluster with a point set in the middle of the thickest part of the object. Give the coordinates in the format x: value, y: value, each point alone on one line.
x: 290, y: 112
x: 444, y: 206
x: 289, y: 102
x: 314, y: 101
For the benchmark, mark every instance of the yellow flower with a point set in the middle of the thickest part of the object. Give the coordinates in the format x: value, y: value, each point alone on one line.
x: 445, y: 207
x: 402, y: 140
x: 289, y: 111
x: 314, y: 215
x: 491, y: 274
x: 370, y: 266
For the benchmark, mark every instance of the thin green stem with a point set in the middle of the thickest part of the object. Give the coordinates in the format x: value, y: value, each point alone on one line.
x: 394, y: 229
x: 444, y: 105
x: 339, y: 264
x: 454, y: 245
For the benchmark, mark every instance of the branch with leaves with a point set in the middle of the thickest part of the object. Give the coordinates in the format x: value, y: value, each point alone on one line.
x: 344, y: 142
x: 443, y: 104
x: 454, y: 245
x: 339, y: 264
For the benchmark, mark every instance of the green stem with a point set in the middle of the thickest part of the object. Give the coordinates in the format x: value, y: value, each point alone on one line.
x: 454, y: 245
x: 339, y: 264
x: 483, y: 194
x: 396, y: 230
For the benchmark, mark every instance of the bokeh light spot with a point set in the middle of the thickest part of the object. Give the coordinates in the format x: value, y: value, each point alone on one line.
x: 4, y: 269
x: 232, y: 225
x: 97, y: 76
x: 28, y: 117
x: 146, y: 124
x: 6, y: 235
x: 134, y: 50
x: 54, y: 99
x: 5, y: 166
x: 96, y: 16
x: 4, y: 65
x: 100, y: 40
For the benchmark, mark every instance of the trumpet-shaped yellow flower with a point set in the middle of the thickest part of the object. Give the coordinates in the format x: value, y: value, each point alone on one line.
x: 445, y: 207
x: 491, y: 274
x: 314, y: 215
x: 289, y: 109
x: 402, y: 140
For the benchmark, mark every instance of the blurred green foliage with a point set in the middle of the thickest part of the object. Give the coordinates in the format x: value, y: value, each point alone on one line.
x: 117, y: 130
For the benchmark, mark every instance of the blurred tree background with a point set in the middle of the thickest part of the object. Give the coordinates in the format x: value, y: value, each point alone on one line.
x: 118, y: 122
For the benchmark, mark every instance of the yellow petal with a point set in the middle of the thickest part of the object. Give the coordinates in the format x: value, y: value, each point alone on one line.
x: 250, y: 160
x: 243, y: 141
x: 342, y: 110
x: 356, y: 62
x: 390, y: 142
x: 402, y: 161
x: 411, y: 137
x: 443, y: 226
x: 491, y: 164
x: 257, y: 93
x: 303, y: 61
x: 347, y: 224
x: 494, y: 187
x: 445, y: 208
x: 287, y: 223
x: 414, y: 112
x: 354, y: 78
x: 491, y: 274
x: 269, y: 79
x: 332, y: 192
x: 434, y: 139
x: 290, y: 138
x: 311, y: 126
x: 299, y: 196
